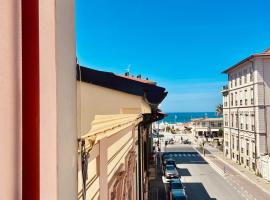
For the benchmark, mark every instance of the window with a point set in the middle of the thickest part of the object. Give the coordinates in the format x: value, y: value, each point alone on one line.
x: 231, y: 80
x: 246, y: 121
x: 251, y: 94
x: 247, y: 151
x: 251, y: 74
x: 232, y: 99
x: 232, y: 120
x: 242, y: 160
x: 235, y: 98
x: 220, y: 124
x: 252, y: 122
x: 235, y: 80
x: 242, y: 150
x: 245, y: 76
x: 241, y: 123
x: 241, y: 97
x: 246, y: 101
x: 240, y: 78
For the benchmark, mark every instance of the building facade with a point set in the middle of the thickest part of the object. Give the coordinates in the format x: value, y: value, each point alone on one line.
x: 246, y: 101
x: 114, y: 122
x: 207, y: 129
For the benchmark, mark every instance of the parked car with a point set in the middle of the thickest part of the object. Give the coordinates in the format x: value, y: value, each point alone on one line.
x: 176, y: 190
x: 167, y: 160
x: 171, y: 172
x: 187, y: 141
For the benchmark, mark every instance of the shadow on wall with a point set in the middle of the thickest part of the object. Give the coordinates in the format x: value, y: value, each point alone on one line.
x: 197, y: 191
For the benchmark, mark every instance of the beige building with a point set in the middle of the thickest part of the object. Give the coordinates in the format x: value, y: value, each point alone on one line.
x: 246, y: 101
x: 207, y: 129
x: 114, y: 122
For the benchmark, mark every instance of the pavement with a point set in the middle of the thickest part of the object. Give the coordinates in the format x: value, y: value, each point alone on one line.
x: 209, y: 177
x: 261, y: 183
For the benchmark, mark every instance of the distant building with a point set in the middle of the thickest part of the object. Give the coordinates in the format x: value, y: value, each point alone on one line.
x: 246, y: 101
x: 207, y: 128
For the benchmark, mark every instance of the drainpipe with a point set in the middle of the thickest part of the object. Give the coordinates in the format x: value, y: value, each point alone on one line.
x: 238, y: 127
x: 253, y: 85
x: 30, y: 100
x: 140, y: 160
x: 265, y: 114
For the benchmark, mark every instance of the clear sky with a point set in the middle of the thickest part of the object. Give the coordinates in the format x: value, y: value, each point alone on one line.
x: 184, y: 45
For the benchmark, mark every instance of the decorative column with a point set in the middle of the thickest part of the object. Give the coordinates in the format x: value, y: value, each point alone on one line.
x: 103, y: 169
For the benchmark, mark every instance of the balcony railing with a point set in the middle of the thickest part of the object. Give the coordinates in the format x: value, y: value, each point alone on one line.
x: 225, y: 87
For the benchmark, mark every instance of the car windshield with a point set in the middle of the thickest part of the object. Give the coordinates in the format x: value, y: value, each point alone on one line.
x: 170, y: 167
x: 171, y: 162
x: 176, y: 186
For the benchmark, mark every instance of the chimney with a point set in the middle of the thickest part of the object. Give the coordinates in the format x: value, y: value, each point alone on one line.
x: 139, y: 76
x: 126, y: 73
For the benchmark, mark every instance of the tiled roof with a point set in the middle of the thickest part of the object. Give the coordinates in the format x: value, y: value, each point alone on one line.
x: 137, y: 79
x: 265, y: 53
x: 152, y: 93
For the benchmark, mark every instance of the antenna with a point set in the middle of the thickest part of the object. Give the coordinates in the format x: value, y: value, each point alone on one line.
x: 128, y: 68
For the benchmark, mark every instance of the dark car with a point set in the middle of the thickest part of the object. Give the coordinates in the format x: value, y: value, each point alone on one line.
x: 187, y: 141
x: 177, y: 191
x: 167, y: 160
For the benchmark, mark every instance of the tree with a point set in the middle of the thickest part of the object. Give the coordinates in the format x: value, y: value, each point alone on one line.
x: 219, y: 110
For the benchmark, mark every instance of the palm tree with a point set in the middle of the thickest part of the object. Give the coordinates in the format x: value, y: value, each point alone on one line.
x: 219, y: 110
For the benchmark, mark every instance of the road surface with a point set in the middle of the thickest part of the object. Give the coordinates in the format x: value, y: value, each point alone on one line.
x: 202, y: 181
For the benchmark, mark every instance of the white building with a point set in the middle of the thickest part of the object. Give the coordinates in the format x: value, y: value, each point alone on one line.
x: 246, y: 101
x: 207, y: 128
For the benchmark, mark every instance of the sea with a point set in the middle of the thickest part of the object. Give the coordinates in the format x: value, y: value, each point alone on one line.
x: 183, y: 117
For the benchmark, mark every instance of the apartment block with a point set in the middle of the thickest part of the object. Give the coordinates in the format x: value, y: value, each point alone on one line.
x: 246, y: 111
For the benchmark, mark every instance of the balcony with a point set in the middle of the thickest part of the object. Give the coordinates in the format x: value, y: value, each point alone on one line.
x: 225, y: 89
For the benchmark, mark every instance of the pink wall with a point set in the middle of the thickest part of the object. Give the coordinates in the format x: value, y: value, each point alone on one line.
x: 10, y: 103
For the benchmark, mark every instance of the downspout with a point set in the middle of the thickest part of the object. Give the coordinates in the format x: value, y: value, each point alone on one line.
x: 140, y: 159
x: 238, y: 127
x: 30, y: 100
x: 253, y: 85
x: 265, y: 115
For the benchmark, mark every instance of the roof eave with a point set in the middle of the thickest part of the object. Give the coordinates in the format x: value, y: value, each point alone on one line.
x: 243, y: 61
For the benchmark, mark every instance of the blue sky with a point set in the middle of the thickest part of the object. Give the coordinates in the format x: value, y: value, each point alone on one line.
x: 181, y: 44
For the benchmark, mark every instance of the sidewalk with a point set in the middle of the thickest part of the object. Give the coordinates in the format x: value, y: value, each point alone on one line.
x: 246, y: 173
x: 156, y: 185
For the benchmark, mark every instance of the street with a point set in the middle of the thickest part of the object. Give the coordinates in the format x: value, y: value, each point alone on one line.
x: 205, y: 181
x: 201, y: 181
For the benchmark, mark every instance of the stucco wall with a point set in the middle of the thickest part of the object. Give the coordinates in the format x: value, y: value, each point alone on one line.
x: 96, y: 100
x: 58, y: 100
x: 10, y: 103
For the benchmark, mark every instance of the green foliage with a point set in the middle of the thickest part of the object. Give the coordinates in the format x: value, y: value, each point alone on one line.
x: 219, y: 110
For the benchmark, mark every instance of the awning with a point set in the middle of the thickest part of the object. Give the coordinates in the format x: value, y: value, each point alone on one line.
x: 107, y: 125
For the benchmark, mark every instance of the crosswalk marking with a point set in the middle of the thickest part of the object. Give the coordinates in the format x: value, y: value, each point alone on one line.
x: 183, y: 155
